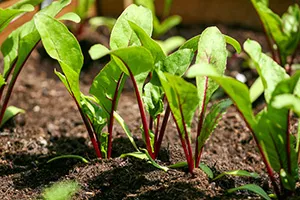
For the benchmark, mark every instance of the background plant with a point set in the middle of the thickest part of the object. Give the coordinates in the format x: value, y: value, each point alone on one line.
x: 282, y: 33
x: 17, y: 48
x: 271, y: 126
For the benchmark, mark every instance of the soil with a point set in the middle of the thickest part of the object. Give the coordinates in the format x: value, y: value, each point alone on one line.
x: 52, y: 126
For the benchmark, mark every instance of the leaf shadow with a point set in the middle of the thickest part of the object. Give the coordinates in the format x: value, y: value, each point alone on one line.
x: 32, y: 170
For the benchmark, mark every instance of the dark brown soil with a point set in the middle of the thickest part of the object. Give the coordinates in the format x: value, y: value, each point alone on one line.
x: 52, y: 126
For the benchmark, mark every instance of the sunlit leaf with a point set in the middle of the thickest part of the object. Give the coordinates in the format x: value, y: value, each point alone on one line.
x: 237, y: 173
x: 10, y: 112
x: 122, y: 35
x: 61, y: 45
x: 253, y: 188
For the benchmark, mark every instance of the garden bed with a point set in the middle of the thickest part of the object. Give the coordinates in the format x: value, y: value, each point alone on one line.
x: 52, y: 126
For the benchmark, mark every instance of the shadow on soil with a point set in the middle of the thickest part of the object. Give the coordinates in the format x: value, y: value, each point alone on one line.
x: 34, y: 169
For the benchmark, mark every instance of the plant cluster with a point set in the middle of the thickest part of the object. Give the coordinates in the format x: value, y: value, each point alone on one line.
x: 161, y: 90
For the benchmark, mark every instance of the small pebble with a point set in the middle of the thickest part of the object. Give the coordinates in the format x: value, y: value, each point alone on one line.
x: 36, y: 109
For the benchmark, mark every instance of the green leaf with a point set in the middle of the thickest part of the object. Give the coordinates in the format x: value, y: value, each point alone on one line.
x: 256, y: 89
x: 10, y: 112
x: 278, y: 127
x: 21, y: 3
x: 167, y: 7
x: 108, y: 83
x: 166, y: 25
x: 236, y: 45
x: 96, y: 114
x: 153, y: 99
x: 136, y: 59
x: 211, y: 120
x: 206, y: 170
x: 253, y: 188
x: 287, y: 180
x: 211, y: 50
x: 7, y: 15
x: 21, y: 41
x: 63, y: 80
x: 283, y: 31
x: 122, y: 35
x: 145, y: 156
x: 237, y: 173
x: 148, y: 42
x: 290, y: 28
x: 139, y: 155
x: 182, y: 98
x: 178, y: 62
x: 147, y: 4
x: 171, y: 44
x: 232, y: 87
x: 288, y: 101
x: 2, y: 81
x: 298, y: 138
x: 270, y: 72
x: 98, y: 51
x: 103, y: 137
x: 178, y: 165
x: 67, y: 157
x: 10, y: 13
x: 126, y: 129
x: 61, y: 45
x: 109, y: 22
x: 70, y: 17
x: 82, y: 8
x: 63, y: 190
x: 191, y: 44
x: 268, y: 140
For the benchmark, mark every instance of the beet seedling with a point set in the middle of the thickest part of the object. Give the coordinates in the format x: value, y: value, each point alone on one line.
x: 282, y: 33
x: 160, y: 28
x: 271, y: 126
x: 17, y: 48
x: 137, y: 62
x: 184, y: 98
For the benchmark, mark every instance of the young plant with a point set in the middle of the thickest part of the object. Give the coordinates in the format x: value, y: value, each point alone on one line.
x: 163, y: 70
x: 132, y: 29
x: 184, y: 98
x: 17, y: 48
x: 271, y: 126
x: 168, y: 22
x: 282, y: 33
x: 161, y: 28
x: 82, y: 10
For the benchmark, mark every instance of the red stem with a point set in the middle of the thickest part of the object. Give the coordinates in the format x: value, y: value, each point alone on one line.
x: 10, y: 88
x: 156, y: 128
x: 89, y: 129
x: 200, y: 124
x: 111, y: 119
x: 150, y: 123
x: 8, y: 94
x: 162, y: 131
x: 142, y: 112
x: 191, y: 163
x: 183, y: 145
x: 269, y: 169
x: 12, y: 83
x: 6, y: 78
